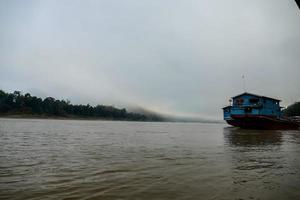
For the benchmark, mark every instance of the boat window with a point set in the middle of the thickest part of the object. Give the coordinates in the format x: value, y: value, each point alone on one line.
x: 239, y: 101
x: 253, y: 100
x: 248, y: 110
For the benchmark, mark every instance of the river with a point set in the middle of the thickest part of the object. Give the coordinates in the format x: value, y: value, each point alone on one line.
x: 77, y: 159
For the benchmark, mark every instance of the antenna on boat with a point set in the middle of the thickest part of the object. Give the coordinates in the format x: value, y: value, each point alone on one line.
x: 244, y: 83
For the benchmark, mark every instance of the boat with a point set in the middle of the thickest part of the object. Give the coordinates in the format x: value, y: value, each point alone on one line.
x: 252, y: 111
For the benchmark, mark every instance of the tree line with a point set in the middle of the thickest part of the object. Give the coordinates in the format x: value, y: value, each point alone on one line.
x: 292, y: 110
x: 17, y: 103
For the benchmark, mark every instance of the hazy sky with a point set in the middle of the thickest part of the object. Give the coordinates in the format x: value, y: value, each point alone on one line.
x: 183, y: 57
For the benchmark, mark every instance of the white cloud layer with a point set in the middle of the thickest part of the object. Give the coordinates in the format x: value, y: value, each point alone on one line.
x: 173, y: 56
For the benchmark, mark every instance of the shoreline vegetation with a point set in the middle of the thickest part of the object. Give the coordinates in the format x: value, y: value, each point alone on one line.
x: 18, y: 105
x: 292, y: 110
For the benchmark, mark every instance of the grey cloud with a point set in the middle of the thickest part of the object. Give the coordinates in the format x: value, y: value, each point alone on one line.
x: 177, y: 57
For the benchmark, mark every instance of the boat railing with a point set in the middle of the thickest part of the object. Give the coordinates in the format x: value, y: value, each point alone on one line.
x: 256, y: 105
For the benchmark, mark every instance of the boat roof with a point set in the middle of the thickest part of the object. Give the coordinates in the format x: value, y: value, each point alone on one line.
x: 226, y: 107
x: 247, y: 93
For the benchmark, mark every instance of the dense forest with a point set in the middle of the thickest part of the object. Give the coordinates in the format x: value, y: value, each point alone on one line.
x: 292, y: 110
x: 17, y: 104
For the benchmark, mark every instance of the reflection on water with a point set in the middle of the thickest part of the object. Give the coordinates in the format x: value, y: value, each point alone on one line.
x: 243, y: 137
x: 264, y: 157
x: 65, y: 159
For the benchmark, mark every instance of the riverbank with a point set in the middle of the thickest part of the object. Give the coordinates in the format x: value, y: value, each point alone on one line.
x: 69, y: 117
x: 21, y: 105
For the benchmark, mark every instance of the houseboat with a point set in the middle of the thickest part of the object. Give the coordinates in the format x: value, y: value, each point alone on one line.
x: 253, y: 111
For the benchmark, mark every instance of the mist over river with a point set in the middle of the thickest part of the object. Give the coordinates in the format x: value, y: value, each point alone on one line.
x: 77, y: 159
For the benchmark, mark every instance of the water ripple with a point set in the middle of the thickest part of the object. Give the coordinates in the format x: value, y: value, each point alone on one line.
x: 59, y: 159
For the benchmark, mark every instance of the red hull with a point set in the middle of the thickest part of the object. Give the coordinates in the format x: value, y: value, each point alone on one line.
x: 261, y: 122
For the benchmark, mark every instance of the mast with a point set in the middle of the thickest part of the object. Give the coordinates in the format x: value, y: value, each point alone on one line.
x: 244, y: 83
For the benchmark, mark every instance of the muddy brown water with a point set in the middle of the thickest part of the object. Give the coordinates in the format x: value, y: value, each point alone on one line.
x: 69, y: 159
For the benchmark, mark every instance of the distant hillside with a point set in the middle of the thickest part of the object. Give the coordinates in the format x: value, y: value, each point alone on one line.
x: 150, y: 114
x: 292, y: 110
x: 171, y: 118
x: 17, y: 104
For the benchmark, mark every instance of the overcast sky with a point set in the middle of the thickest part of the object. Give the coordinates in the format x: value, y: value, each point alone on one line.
x: 183, y: 57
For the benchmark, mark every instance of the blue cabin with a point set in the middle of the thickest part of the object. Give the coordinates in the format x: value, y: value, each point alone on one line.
x: 252, y: 104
